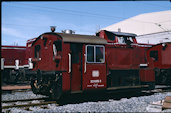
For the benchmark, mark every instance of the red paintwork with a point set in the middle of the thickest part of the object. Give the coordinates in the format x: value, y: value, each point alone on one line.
x: 28, y: 49
x: 47, y: 63
x: 66, y: 76
x: 164, y: 56
x: 66, y: 81
x: 76, y: 78
x: 76, y: 75
x: 71, y: 81
x: 122, y: 56
x: 103, y: 35
x: 88, y: 78
x: 126, y: 57
x: 117, y: 57
x: 147, y: 75
x: 12, y: 53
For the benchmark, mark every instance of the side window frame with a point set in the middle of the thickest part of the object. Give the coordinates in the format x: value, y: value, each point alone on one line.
x: 37, y: 49
x: 154, y: 54
x: 95, y: 46
x: 121, y: 40
x: 57, y: 49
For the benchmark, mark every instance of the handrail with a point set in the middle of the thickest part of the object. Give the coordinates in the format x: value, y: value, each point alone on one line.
x: 69, y: 54
x: 85, y: 64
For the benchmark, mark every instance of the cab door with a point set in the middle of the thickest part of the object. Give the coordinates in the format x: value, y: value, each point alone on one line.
x: 94, y: 74
x: 76, y: 67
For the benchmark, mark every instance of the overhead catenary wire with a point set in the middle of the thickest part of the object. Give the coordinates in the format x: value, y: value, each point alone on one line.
x: 38, y: 26
x: 157, y: 5
x: 80, y: 13
x: 52, y: 10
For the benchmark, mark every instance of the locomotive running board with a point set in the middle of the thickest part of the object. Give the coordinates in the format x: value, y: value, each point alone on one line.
x: 73, y: 92
x: 127, y: 87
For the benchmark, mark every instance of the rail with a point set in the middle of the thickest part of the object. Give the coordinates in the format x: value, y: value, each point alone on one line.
x: 41, y: 101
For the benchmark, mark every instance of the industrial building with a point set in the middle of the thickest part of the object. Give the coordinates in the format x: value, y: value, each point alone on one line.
x: 152, y: 28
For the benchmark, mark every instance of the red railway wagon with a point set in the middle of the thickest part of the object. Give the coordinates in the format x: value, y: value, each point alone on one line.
x: 161, y: 54
x: 14, y: 63
x: 28, y: 48
x: 75, y: 63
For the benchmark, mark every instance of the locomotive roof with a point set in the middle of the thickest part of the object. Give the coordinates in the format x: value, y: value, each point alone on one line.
x: 82, y: 38
x: 76, y: 38
x: 123, y: 34
x: 161, y: 43
x: 12, y: 47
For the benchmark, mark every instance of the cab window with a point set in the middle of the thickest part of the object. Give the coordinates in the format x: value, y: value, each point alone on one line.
x: 110, y: 36
x: 37, y: 51
x: 95, y: 54
x: 90, y: 53
x: 154, y: 54
x: 128, y: 40
x: 99, y: 54
x: 57, y: 47
x: 125, y: 40
x: 121, y: 40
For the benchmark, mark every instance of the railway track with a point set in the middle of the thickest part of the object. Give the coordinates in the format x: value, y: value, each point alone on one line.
x: 26, y: 103
x: 43, y: 102
x: 22, y: 100
x: 159, y: 89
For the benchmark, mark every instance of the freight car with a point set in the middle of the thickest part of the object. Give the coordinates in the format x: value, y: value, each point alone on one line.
x: 14, y: 64
x: 72, y: 63
x: 161, y: 54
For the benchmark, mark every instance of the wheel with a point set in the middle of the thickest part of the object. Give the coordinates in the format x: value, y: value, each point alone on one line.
x: 152, y: 85
x: 13, y: 76
x: 169, y: 76
x: 34, y: 86
x: 56, y: 89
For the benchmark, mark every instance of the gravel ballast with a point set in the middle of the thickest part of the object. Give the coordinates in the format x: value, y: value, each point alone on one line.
x: 133, y: 104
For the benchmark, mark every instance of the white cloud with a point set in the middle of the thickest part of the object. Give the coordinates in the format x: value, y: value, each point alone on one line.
x: 13, y: 33
x: 4, y: 42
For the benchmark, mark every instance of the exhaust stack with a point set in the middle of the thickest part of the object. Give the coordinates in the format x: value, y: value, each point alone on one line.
x: 68, y: 31
x: 52, y: 28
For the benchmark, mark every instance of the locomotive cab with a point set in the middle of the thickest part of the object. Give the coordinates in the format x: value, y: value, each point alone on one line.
x: 117, y: 37
x: 68, y: 63
x: 127, y: 64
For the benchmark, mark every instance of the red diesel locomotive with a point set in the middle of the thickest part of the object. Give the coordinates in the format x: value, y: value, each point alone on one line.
x: 161, y: 54
x: 72, y: 63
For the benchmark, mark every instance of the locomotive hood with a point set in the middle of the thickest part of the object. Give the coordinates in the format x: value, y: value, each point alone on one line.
x: 76, y: 38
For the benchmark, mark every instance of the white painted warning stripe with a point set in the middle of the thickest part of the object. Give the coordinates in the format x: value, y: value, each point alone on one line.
x: 12, y: 48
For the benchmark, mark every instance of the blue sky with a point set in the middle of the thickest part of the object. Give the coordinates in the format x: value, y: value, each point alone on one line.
x: 25, y: 20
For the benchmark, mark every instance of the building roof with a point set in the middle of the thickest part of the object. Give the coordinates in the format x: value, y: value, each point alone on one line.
x: 142, y: 24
